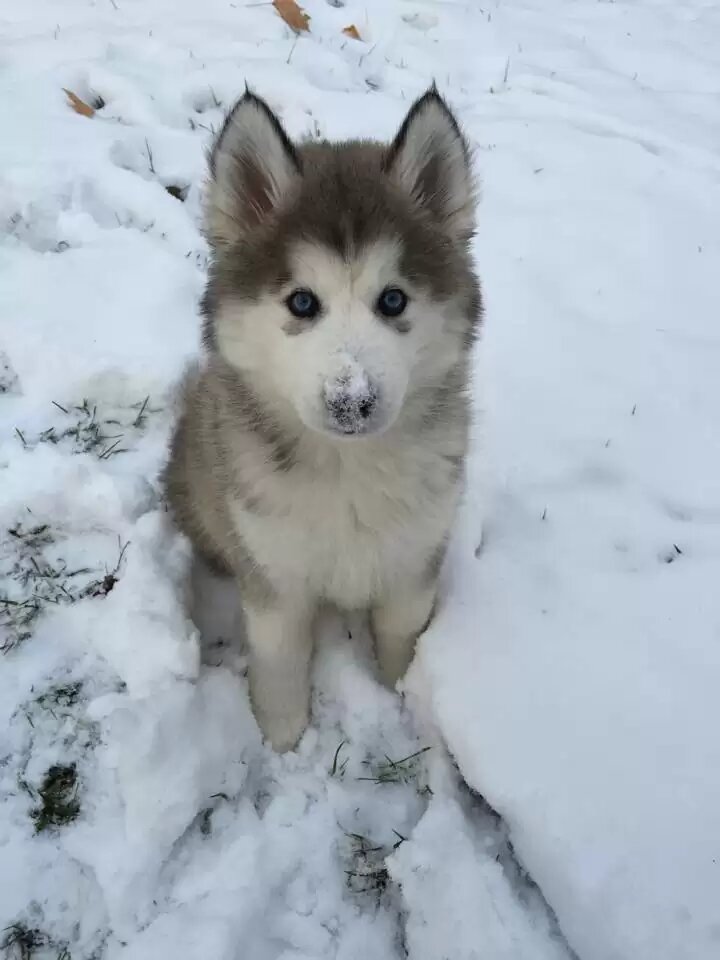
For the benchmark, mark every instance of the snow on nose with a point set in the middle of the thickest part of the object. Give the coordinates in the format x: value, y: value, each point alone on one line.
x: 350, y: 398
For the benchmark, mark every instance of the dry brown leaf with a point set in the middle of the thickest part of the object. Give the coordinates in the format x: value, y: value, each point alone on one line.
x: 78, y: 105
x: 352, y: 31
x: 293, y: 15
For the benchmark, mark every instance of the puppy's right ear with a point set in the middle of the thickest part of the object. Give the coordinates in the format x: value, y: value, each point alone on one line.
x: 253, y: 166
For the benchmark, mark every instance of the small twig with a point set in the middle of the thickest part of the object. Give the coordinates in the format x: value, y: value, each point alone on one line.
x: 366, y: 54
x: 150, y: 156
x: 411, y: 756
x: 139, y: 417
x: 401, y: 839
x: 123, y: 551
x: 364, y: 843
x: 109, y: 451
x: 19, y: 432
x: 60, y: 406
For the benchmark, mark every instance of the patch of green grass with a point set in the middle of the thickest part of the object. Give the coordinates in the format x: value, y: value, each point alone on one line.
x: 17, y: 618
x: 86, y: 431
x: 59, y: 804
x: 369, y: 874
x: 386, y: 770
x: 59, y: 715
x: 17, y: 614
x: 33, y: 538
x: 40, y: 583
x: 21, y: 942
x: 61, y: 696
x: 87, y: 434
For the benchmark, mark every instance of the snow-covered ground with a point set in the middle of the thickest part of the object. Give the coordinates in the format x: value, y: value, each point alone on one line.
x: 574, y: 669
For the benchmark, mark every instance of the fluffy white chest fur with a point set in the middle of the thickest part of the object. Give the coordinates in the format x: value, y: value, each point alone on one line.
x: 354, y: 527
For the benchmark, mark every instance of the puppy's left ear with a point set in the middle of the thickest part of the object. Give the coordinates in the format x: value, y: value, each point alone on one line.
x: 430, y: 158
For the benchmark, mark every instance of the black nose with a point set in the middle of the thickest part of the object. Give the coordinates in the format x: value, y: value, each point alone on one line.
x: 366, y: 407
x: 349, y: 410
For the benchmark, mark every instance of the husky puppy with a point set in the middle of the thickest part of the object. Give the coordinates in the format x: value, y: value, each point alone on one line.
x: 319, y: 454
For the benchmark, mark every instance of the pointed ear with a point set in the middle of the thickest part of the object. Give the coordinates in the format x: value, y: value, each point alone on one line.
x: 253, y: 166
x: 430, y: 158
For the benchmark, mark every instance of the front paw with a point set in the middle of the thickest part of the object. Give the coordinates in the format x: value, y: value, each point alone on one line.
x: 393, y: 663
x: 282, y: 730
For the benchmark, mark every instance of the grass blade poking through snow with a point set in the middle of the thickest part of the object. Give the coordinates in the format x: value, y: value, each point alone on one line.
x: 394, y: 771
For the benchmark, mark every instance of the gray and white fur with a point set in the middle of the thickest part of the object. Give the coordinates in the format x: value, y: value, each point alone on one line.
x: 319, y: 455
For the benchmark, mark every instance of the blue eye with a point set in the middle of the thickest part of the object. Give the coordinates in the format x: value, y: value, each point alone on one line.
x: 303, y: 304
x: 392, y: 302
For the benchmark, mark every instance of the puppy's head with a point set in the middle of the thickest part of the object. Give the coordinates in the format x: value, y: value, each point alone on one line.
x: 341, y: 279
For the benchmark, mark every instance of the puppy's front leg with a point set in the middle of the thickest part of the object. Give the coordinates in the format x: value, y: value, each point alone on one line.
x: 397, y: 621
x: 280, y: 642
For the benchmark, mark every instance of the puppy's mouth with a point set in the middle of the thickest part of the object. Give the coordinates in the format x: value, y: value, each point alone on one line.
x: 349, y: 432
x: 355, y: 428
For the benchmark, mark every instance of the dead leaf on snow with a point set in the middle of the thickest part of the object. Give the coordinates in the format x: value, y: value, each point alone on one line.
x: 352, y: 31
x: 78, y: 105
x: 293, y: 15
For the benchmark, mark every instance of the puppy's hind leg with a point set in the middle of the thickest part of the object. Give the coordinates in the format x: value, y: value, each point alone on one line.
x: 214, y: 607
